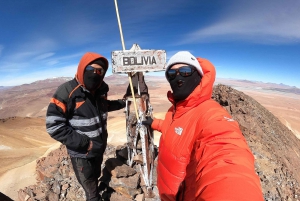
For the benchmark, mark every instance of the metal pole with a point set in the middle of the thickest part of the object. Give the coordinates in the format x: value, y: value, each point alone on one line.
x: 129, y: 74
x: 120, y: 26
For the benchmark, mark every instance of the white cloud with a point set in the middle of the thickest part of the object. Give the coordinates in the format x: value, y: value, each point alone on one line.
x: 38, y: 44
x: 44, y: 56
x: 29, y: 50
x: 257, y: 21
x: 52, y: 62
x: 20, y: 56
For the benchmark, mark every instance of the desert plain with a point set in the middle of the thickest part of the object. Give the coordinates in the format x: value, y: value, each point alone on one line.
x: 23, y: 139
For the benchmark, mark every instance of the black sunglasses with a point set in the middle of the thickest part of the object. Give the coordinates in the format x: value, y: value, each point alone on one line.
x: 184, y: 71
x: 99, y: 71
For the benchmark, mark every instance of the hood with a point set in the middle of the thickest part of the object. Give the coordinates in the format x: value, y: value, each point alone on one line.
x: 201, y: 93
x: 86, y: 59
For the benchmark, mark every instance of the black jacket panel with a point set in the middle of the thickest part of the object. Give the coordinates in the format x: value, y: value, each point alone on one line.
x: 82, y: 117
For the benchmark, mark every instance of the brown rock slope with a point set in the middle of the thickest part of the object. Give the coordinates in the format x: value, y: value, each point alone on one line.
x: 275, y: 148
x: 56, y: 179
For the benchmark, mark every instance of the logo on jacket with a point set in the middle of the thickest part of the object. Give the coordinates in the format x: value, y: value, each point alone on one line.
x: 178, y: 130
x: 228, y: 119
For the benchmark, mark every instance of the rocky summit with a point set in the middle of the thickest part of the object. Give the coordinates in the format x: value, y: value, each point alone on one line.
x: 275, y: 148
x: 56, y: 179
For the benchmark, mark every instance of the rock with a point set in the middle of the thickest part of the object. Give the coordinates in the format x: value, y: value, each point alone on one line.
x: 118, y: 197
x: 140, y: 197
x: 118, y: 169
x: 127, y: 186
x: 65, y: 187
x: 53, y: 196
x: 122, y: 152
x: 56, y: 187
x: 23, y: 196
x: 138, y: 158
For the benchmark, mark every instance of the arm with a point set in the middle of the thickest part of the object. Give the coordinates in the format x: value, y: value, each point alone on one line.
x: 225, y: 162
x: 157, y: 124
x: 112, y: 105
x: 58, y: 128
x: 115, y: 104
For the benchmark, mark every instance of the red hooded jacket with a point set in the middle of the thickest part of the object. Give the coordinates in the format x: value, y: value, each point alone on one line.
x: 202, y: 152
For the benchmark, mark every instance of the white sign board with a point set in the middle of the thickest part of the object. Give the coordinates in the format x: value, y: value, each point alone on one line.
x: 138, y: 61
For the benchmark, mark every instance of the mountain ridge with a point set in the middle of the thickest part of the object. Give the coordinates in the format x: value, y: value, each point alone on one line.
x: 116, y: 76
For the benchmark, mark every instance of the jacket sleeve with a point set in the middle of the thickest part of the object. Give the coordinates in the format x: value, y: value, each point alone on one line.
x: 226, y: 169
x: 57, y: 124
x: 157, y: 124
x: 113, y: 105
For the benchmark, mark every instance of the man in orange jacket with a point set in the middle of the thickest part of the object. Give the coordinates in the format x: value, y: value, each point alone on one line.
x: 202, y: 152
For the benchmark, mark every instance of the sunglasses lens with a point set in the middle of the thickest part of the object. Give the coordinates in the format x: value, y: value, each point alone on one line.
x: 89, y: 68
x: 99, y: 71
x: 171, y: 73
x: 185, y: 71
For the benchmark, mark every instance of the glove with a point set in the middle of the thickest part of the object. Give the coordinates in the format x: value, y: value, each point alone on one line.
x: 148, y: 121
x: 122, y: 102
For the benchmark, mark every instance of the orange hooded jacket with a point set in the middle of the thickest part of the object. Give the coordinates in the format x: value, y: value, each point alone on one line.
x: 85, y: 60
x: 202, y: 152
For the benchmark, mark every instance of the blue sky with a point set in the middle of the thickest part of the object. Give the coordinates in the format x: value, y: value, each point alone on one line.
x: 256, y: 40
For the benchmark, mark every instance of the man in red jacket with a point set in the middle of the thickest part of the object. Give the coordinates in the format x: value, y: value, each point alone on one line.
x: 202, y: 152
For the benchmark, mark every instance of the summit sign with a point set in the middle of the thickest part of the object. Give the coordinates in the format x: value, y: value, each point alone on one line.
x: 138, y: 61
x: 129, y: 61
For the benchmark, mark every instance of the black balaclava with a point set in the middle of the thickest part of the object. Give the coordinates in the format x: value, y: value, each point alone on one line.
x: 92, y: 81
x: 182, y: 87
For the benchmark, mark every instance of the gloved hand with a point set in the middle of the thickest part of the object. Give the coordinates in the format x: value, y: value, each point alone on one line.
x: 122, y: 102
x: 148, y: 121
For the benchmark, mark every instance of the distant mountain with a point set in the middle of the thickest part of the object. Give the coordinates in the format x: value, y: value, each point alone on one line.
x: 293, y: 90
x: 28, y: 100
x: 32, y: 99
x: 2, y: 88
x: 243, y: 84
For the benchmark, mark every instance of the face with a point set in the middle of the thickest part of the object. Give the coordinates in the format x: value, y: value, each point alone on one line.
x: 183, y: 80
x: 98, y: 69
x: 175, y: 67
x: 93, y: 76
